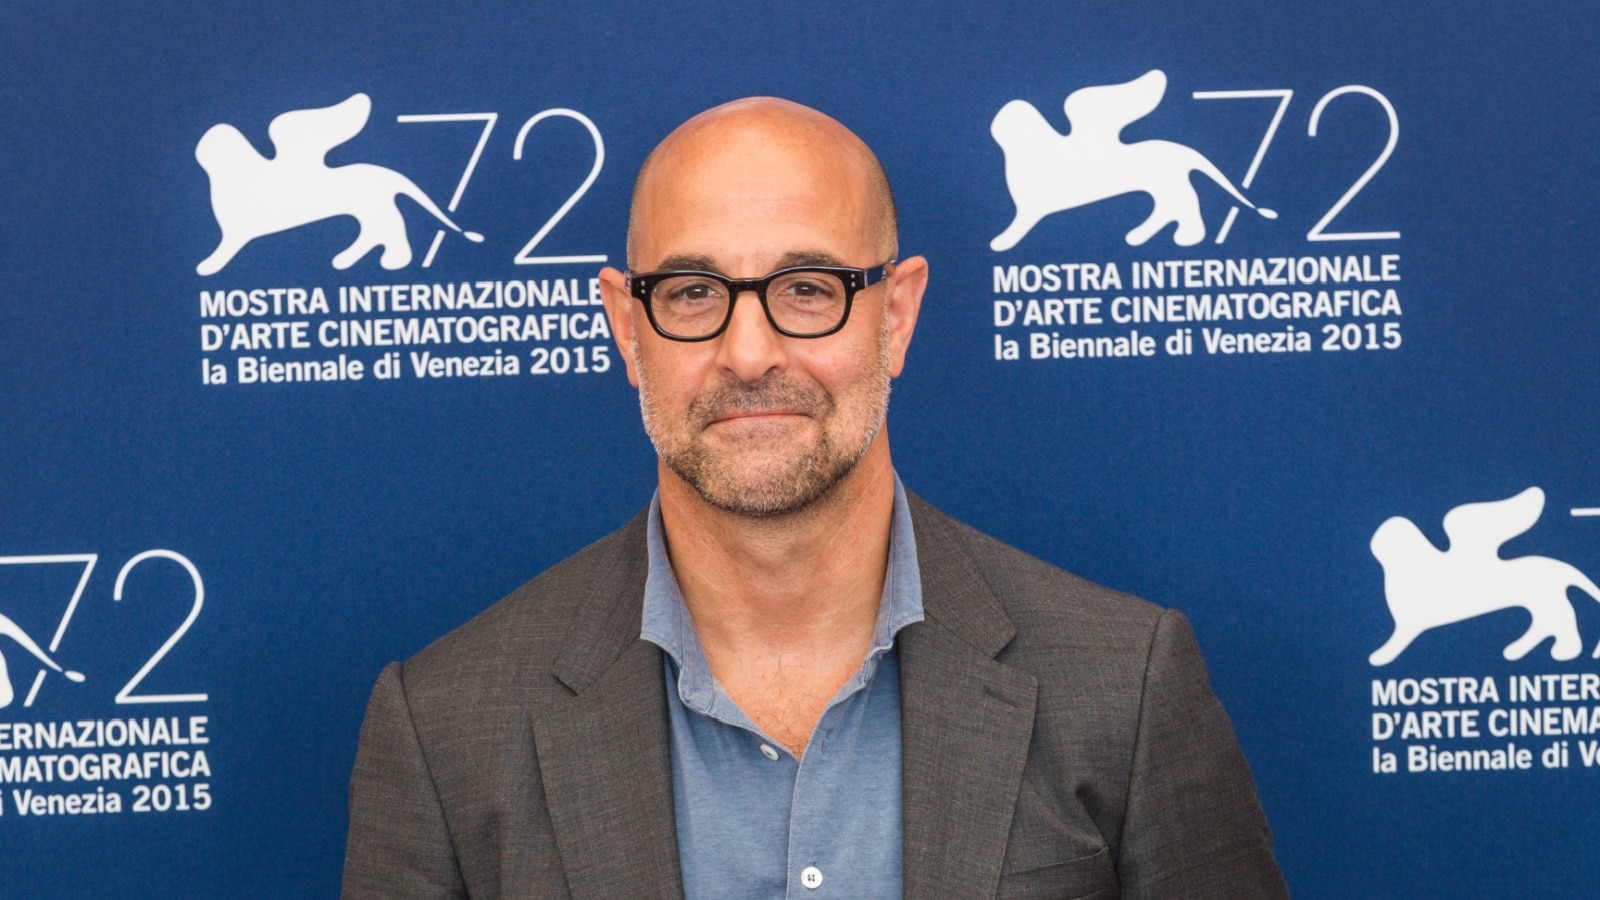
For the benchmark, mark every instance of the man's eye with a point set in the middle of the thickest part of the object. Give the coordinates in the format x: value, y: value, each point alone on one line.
x: 693, y: 293
x: 810, y: 290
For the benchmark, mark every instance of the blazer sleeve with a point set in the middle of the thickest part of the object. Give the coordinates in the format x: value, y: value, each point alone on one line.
x: 1193, y: 826
x: 399, y: 843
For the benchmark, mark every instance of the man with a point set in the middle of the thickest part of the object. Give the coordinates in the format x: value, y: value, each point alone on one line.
x: 790, y: 677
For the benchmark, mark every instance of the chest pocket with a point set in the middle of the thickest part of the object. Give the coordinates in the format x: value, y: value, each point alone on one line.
x: 1085, y: 878
x: 1048, y: 859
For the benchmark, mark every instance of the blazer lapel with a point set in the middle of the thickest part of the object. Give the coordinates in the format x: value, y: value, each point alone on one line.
x: 604, y: 755
x: 966, y: 722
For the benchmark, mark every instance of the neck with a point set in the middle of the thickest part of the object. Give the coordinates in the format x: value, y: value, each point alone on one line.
x: 807, y: 582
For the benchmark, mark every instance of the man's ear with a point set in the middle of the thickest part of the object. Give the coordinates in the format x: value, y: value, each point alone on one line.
x: 620, y: 310
x: 902, y: 304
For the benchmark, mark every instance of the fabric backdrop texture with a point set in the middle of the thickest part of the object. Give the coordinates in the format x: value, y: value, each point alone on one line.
x: 1279, y: 315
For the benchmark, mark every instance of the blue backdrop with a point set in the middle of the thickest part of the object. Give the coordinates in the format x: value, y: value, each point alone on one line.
x: 1437, y: 350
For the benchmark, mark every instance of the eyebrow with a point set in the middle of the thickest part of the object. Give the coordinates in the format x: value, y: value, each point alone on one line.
x: 702, y: 263
x: 808, y: 258
x: 690, y: 261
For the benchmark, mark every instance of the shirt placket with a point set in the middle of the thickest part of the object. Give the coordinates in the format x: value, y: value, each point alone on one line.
x: 809, y: 867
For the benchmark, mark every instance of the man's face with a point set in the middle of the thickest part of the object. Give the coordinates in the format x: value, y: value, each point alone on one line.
x: 756, y: 422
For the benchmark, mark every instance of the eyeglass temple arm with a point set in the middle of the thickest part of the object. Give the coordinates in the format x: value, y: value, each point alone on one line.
x: 876, y: 274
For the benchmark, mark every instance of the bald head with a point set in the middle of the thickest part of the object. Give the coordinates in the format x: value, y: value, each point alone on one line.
x: 761, y: 156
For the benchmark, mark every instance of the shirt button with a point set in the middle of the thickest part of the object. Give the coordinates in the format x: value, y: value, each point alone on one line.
x: 772, y: 754
x: 811, y: 877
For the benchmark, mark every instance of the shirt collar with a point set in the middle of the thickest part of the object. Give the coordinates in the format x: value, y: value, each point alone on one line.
x: 667, y: 624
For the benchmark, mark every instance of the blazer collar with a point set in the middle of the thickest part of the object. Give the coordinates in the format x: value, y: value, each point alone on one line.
x: 607, y: 623
x: 966, y: 722
x: 953, y: 593
x: 604, y: 754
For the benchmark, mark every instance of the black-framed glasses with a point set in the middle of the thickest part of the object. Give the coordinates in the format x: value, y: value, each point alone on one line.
x: 800, y: 301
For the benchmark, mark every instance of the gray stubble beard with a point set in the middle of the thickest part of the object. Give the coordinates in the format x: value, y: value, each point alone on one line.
x: 793, y: 487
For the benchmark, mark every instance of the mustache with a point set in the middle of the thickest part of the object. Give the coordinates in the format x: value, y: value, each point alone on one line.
x: 773, y: 391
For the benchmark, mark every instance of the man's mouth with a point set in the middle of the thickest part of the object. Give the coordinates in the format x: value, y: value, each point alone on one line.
x: 742, y: 414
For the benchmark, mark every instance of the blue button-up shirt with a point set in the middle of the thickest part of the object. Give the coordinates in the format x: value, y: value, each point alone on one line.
x: 754, y: 821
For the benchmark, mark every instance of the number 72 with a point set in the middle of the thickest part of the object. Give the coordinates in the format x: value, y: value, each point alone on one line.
x: 1318, y: 231
x: 88, y: 560
x: 523, y: 257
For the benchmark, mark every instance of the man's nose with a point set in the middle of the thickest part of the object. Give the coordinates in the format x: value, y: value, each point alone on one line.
x: 750, y: 348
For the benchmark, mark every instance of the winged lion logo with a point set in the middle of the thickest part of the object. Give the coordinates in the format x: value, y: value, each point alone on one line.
x: 1048, y: 172
x: 253, y: 196
x: 1427, y: 587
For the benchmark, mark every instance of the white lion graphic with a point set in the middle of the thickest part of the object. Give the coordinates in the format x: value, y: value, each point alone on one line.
x: 1048, y: 172
x: 253, y: 196
x: 1427, y: 588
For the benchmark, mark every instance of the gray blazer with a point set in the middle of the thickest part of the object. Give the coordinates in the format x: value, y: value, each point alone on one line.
x: 1060, y: 740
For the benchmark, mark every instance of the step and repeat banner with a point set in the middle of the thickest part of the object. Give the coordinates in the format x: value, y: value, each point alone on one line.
x: 1283, y: 316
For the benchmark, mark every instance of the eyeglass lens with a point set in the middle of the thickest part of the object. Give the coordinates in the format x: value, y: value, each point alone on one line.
x: 800, y: 303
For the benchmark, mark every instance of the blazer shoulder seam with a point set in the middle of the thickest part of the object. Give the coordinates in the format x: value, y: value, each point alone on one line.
x: 427, y: 766
x: 1139, y: 723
